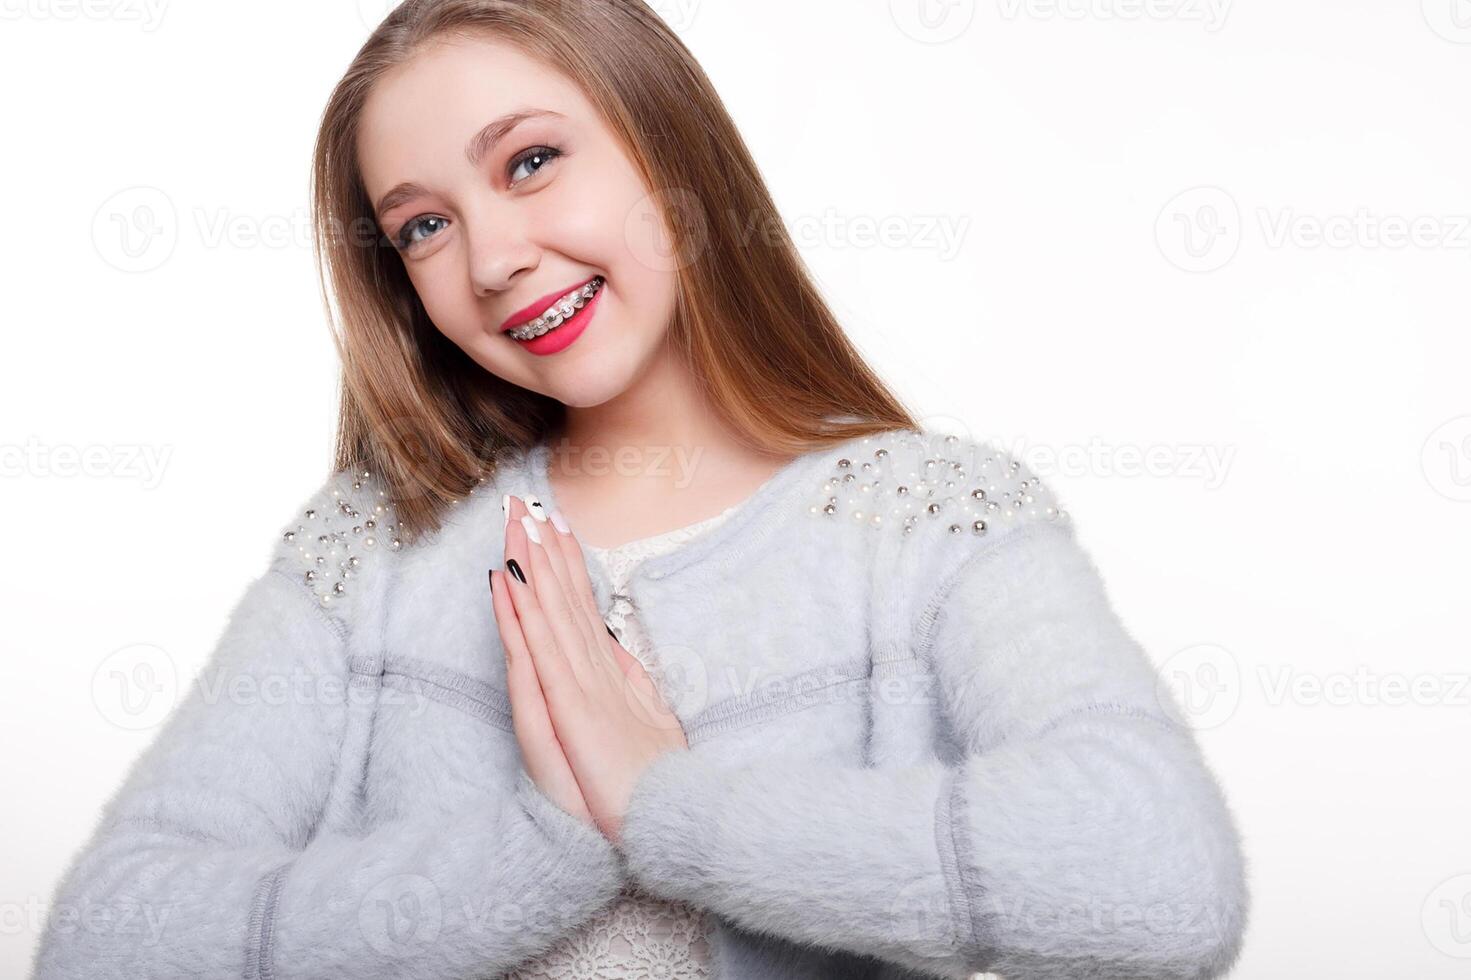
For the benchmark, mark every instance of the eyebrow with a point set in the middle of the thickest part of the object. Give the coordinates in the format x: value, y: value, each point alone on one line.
x: 475, y: 150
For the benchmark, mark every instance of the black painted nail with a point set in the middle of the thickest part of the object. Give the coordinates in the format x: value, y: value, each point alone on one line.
x: 490, y: 574
x: 610, y: 631
x: 515, y: 570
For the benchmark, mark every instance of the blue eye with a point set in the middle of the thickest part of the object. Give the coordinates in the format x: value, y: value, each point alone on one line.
x: 405, y: 234
x: 536, y: 158
x: 541, y: 154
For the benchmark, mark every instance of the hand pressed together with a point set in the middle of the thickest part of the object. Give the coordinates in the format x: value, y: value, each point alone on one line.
x: 587, y: 716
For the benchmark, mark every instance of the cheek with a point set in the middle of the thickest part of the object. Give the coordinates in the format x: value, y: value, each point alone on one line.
x: 445, y: 297
x: 612, y: 224
x: 583, y: 221
x: 600, y: 212
x: 650, y: 255
x: 648, y: 261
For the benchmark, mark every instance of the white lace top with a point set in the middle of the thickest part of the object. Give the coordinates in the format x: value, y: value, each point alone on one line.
x: 638, y: 937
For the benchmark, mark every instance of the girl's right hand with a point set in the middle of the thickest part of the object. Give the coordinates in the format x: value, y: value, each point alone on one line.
x: 541, y: 752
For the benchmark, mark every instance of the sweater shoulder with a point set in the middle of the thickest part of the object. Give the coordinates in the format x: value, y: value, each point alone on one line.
x: 917, y: 485
x: 341, y: 534
x: 927, y: 502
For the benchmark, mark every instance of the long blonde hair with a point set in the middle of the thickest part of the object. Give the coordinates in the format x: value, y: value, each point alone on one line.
x: 430, y: 422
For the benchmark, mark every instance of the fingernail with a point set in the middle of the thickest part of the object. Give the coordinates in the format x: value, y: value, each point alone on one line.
x: 505, y: 511
x: 530, y: 526
x: 560, y: 523
x: 515, y: 570
x: 537, y: 510
x: 490, y: 574
x: 610, y: 631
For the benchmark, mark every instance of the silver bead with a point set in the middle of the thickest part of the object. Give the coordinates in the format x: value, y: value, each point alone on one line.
x: 907, y: 479
x: 328, y: 545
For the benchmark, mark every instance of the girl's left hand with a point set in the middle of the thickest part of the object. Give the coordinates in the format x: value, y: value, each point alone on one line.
x: 606, y: 711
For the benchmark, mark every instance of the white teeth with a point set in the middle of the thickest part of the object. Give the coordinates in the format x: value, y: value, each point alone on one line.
x: 558, y: 311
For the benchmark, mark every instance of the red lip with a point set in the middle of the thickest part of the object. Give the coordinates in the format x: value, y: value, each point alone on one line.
x: 535, y: 309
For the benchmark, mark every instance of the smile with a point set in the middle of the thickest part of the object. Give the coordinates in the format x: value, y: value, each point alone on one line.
x: 558, y: 312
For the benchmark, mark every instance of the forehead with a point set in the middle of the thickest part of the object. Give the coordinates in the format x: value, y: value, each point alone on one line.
x: 425, y: 110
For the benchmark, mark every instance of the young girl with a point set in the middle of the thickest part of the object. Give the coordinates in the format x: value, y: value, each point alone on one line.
x: 766, y: 679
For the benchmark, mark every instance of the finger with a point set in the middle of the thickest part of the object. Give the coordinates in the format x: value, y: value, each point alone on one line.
x: 552, y: 665
x: 531, y: 723
x: 580, y: 584
x: 560, y: 614
x: 558, y: 561
x: 530, y: 718
x: 625, y: 660
x: 640, y: 689
x: 573, y: 633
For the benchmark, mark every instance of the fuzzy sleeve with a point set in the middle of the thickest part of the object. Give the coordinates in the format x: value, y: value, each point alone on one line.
x: 1077, y: 833
x: 209, y: 861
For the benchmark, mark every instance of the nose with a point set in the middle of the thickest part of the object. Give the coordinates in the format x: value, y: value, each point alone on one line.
x: 499, y: 250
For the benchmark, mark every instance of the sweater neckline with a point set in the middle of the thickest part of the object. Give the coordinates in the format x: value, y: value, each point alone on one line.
x: 731, y: 539
x: 662, y: 537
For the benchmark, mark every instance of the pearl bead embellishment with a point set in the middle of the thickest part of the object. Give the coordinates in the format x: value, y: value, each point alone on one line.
x: 343, y: 525
x: 906, y: 478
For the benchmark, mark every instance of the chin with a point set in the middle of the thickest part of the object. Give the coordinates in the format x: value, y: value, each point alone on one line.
x: 592, y: 391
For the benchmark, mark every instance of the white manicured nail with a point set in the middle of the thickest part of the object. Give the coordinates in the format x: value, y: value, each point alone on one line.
x: 534, y: 506
x: 560, y: 523
x: 505, y: 511
x: 530, y: 526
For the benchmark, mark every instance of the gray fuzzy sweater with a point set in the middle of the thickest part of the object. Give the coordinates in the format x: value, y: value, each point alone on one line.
x: 922, y: 744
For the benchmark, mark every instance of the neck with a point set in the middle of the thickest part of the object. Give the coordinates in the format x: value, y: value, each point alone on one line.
x: 660, y: 438
x: 656, y: 457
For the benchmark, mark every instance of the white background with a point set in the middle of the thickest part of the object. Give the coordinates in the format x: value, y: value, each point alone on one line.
x: 1211, y: 256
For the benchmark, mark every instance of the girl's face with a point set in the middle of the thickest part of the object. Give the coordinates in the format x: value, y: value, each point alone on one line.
x: 503, y: 191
